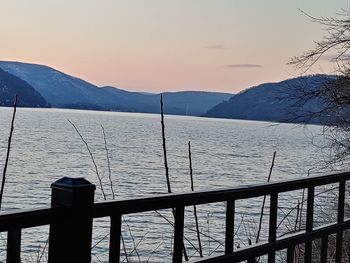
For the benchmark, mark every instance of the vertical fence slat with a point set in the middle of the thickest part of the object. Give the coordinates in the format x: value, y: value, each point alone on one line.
x: 324, y: 249
x: 339, y: 247
x: 114, y: 238
x: 230, y: 221
x: 309, y: 221
x: 178, y: 235
x: 341, y: 201
x: 273, y: 224
x: 14, y: 246
x: 290, y: 254
x: 340, y: 219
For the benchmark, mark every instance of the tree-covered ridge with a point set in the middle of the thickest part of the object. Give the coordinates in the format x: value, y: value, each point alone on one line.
x: 280, y: 102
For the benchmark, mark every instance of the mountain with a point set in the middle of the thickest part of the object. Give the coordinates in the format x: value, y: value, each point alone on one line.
x: 273, y: 101
x: 194, y: 103
x: 57, y: 88
x: 65, y: 91
x: 10, y: 86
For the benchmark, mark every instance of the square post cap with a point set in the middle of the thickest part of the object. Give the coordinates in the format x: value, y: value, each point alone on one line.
x: 73, y: 184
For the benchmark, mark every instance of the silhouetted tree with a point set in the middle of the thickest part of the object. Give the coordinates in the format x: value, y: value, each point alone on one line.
x: 334, y: 94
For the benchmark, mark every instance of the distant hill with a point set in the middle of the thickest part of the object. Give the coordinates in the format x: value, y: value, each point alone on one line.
x: 64, y: 91
x: 10, y: 86
x: 272, y: 101
x: 194, y: 103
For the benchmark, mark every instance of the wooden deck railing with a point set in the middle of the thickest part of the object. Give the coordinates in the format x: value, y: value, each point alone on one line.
x: 72, y: 211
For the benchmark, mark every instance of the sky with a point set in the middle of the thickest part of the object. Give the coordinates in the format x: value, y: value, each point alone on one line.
x: 165, y: 45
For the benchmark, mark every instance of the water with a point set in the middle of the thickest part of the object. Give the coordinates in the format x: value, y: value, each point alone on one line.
x: 225, y: 153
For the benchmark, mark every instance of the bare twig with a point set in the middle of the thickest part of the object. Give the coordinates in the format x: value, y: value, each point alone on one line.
x: 194, y: 207
x: 8, y: 151
x: 173, y: 225
x: 166, y: 160
x: 154, y: 250
x: 133, y: 239
x: 190, y: 165
x: 124, y: 247
x: 99, y: 177
x: 299, y: 205
x: 101, y: 239
x: 108, y: 163
x: 40, y: 255
x: 297, y: 217
x: 164, y: 145
x: 98, y: 259
x: 264, y: 200
x: 191, y: 229
x: 92, y: 159
x: 208, y: 228
x: 302, y: 203
x: 137, y: 245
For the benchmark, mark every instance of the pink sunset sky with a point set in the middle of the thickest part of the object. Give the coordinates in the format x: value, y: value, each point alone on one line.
x: 165, y: 45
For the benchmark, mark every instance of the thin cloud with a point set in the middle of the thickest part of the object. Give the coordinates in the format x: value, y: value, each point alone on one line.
x: 215, y: 47
x: 244, y: 66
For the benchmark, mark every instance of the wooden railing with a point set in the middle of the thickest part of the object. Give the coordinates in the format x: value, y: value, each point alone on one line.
x: 72, y: 211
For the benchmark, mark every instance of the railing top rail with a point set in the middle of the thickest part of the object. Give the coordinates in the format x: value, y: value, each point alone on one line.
x: 25, y: 218
x: 128, y: 206
x: 43, y: 216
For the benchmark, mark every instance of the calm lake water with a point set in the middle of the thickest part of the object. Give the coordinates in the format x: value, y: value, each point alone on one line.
x: 225, y: 153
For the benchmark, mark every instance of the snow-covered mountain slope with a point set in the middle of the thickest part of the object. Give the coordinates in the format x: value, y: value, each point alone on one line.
x: 56, y: 87
x: 12, y: 86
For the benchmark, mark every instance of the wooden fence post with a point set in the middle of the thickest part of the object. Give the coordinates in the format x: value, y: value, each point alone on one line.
x: 71, y: 233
